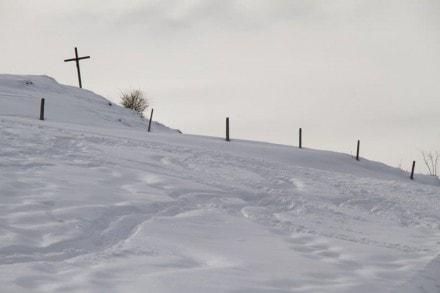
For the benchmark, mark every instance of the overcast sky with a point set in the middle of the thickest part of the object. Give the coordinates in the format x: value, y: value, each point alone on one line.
x: 342, y: 70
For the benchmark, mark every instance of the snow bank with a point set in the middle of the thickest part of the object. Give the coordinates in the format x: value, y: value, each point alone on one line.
x: 90, y: 204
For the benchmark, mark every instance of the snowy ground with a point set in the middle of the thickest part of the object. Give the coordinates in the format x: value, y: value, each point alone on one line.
x: 91, y: 202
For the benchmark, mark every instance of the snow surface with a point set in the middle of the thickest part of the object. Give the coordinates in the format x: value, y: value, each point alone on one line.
x: 92, y: 202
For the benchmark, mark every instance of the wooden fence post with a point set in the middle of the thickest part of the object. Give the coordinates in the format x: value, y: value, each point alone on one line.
x: 300, y: 138
x: 151, y: 118
x: 42, y: 109
x: 357, y: 151
x: 412, y: 170
x: 227, y: 129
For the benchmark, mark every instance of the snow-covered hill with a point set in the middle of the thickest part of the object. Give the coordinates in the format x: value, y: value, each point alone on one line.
x: 21, y: 95
x: 91, y: 202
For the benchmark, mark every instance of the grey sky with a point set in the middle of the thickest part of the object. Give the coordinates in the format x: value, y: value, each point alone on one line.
x: 342, y: 70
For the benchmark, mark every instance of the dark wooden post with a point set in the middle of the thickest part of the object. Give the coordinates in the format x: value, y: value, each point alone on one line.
x: 412, y: 170
x: 76, y: 59
x: 42, y: 109
x: 300, y: 138
x: 227, y: 129
x: 151, y: 118
x: 357, y: 151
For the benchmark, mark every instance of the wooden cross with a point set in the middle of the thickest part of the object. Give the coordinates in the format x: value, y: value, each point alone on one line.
x: 77, y: 64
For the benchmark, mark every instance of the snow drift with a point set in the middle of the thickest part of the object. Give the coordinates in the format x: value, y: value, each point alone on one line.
x: 91, y: 202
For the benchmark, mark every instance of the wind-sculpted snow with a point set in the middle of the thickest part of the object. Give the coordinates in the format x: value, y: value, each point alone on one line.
x: 100, y: 208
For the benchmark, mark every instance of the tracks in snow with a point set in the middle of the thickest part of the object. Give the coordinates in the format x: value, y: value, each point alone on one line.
x: 67, y: 194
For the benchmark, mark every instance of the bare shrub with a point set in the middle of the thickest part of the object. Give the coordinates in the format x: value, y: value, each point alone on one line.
x: 135, y: 100
x: 431, y: 160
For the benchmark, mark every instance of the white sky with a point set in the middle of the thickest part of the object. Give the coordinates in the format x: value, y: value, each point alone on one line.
x: 342, y: 70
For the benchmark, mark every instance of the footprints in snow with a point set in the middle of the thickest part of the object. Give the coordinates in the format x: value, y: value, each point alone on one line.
x: 316, y: 248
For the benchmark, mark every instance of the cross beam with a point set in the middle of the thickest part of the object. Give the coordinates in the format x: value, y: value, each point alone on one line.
x: 76, y: 59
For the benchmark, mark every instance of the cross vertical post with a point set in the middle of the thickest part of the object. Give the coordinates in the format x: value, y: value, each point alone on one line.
x: 76, y: 59
x: 77, y: 67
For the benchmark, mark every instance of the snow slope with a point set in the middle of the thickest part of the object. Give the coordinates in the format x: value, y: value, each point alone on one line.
x: 91, y: 202
x: 21, y: 95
